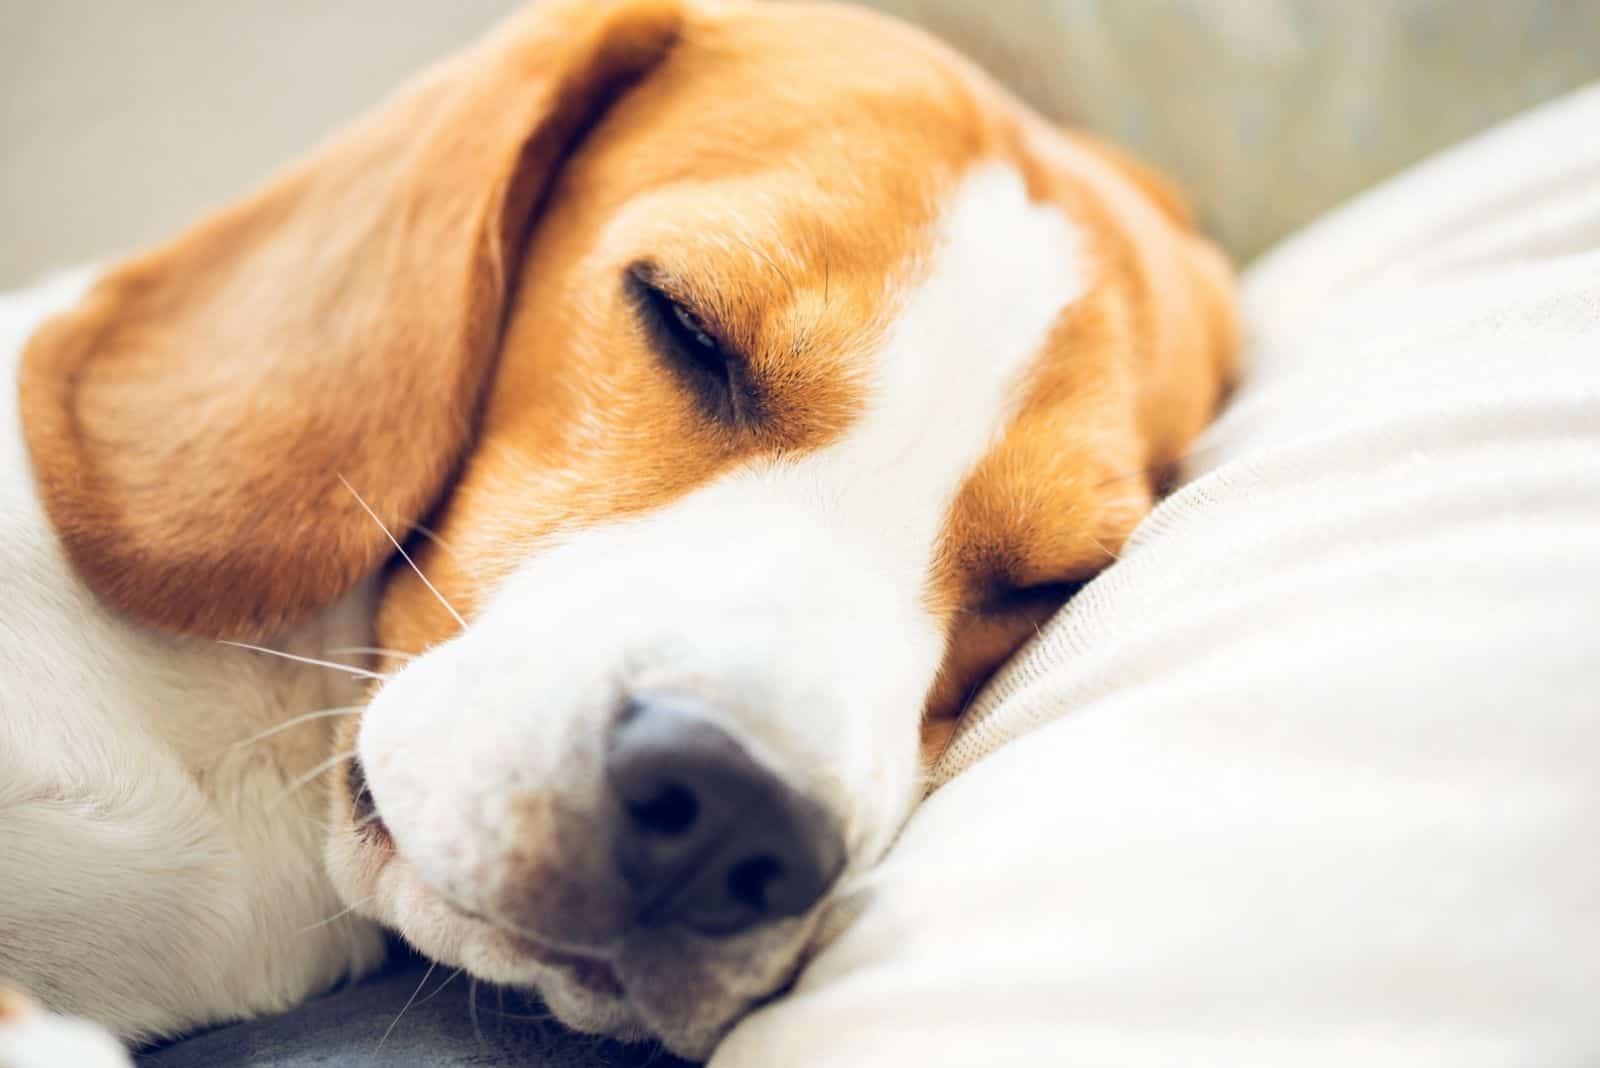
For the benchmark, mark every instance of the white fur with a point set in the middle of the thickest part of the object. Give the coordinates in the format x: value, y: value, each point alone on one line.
x: 147, y: 881
x: 30, y: 1038
x: 788, y: 595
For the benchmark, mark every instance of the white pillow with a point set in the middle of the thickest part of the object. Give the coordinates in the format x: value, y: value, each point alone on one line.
x: 1311, y: 776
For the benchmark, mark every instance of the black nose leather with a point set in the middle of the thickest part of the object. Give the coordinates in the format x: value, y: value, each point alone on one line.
x: 706, y: 835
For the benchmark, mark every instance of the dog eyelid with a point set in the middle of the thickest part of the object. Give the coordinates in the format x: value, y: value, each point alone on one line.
x: 693, y: 327
x: 1004, y: 597
x: 715, y: 372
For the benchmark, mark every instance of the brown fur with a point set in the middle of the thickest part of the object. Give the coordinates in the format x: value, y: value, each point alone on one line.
x: 780, y: 163
x: 191, y: 419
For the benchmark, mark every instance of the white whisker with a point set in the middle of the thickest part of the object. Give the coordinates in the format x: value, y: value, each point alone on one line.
x: 362, y: 673
x: 403, y: 554
x: 433, y: 537
x: 341, y: 914
x: 1103, y: 547
x: 370, y: 650
x: 472, y: 1008
x: 347, y: 710
x: 452, y: 977
x: 407, y: 1005
x: 310, y: 776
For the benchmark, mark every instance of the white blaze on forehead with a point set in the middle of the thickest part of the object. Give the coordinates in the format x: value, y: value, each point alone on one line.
x: 949, y: 376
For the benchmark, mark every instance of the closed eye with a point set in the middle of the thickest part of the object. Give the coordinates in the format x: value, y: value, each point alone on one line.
x: 1040, y: 599
x: 714, y: 372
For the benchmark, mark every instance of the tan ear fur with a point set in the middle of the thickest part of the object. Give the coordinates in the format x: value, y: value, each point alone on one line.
x: 1174, y: 287
x: 1161, y: 190
x: 190, y: 421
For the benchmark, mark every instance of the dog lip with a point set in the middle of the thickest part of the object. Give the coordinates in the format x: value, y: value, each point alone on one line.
x: 589, y: 971
x: 365, y: 819
x: 592, y: 971
x: 595, y: 976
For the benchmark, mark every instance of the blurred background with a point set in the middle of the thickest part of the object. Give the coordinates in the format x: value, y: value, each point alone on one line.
x: 123, y: 121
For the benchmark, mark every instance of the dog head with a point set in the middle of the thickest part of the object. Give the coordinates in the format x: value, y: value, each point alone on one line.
x: 764, y: 376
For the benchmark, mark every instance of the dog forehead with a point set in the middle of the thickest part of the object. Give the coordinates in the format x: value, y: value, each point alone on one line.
x: 876, y: 246
x: 796, y: 161
x: 842, y: 98
x: 960, y: 325
x: 965, y: 325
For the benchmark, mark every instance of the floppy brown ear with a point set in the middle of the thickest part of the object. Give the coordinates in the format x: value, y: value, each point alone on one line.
x: 190, y: 421
x: 1161, y: 190
x: 1174, y: 288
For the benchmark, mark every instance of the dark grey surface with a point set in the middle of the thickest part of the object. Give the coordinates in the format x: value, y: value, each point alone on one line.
x: 347, y: 1027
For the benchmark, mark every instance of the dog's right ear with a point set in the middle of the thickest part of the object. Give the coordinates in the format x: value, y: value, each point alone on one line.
x: 193, y: 421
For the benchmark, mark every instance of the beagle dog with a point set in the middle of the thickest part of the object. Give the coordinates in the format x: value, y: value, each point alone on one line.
x: 558, y: 520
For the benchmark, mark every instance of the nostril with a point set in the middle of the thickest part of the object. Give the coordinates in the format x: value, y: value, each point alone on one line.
x: 705, y: 834
x: 749, y: 880
x: 671, y: 812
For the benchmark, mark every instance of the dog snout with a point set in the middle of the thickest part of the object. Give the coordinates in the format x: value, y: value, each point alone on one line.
x: 707, y: 836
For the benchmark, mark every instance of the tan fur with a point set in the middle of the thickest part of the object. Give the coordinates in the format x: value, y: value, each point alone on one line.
x: 190, y: 421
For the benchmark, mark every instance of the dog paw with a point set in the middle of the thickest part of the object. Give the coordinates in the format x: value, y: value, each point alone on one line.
x: 33, y: 1038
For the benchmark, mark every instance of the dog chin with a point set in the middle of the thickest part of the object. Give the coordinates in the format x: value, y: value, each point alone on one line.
x: 585, y: 995
x: 597, y: 1014
x: 582, y: 992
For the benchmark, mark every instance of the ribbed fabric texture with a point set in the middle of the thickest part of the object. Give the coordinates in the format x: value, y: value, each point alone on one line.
x: 1312, y: 775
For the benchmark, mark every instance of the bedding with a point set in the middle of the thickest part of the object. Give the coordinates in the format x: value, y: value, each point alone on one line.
x: 1309, y: 776
x: 413, y: 1015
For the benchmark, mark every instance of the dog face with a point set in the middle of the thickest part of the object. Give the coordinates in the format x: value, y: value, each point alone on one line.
x: 765, y: 377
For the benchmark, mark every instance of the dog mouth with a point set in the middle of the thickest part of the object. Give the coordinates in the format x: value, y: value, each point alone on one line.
x: 595, y: 976
x: 365, y: 820
x: 591, y: 973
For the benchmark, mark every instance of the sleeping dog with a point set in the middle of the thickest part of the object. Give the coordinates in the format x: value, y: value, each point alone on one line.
x: 558, y: 520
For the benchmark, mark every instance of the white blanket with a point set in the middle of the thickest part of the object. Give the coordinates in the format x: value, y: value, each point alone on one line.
x: 1311, y: 776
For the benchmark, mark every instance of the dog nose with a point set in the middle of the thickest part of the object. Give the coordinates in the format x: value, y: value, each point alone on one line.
x: 706, y: 835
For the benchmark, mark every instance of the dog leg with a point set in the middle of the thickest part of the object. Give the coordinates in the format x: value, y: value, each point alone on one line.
x: 147, y: 913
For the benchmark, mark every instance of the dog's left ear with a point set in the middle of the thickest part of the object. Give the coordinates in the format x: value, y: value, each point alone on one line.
x: 191, y: 420
x: 1178, y: 317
